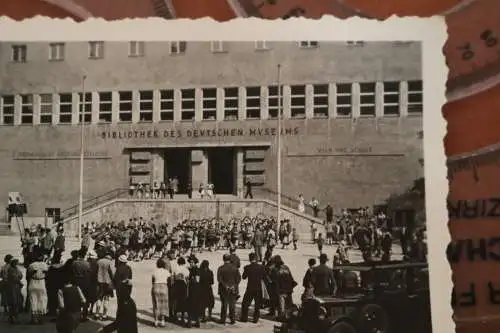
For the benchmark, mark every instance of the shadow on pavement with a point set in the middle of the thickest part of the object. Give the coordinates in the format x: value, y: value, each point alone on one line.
x: 23, y: 326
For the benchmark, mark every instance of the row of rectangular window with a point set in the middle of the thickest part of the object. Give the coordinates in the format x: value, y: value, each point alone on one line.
x: 391, y: 103
x: 137, y: 48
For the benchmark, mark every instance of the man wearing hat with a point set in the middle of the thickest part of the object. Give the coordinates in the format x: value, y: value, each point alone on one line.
x: 123, y: 275
x: 256, y: 273
x: 229, y: 279
x: 322, y: 278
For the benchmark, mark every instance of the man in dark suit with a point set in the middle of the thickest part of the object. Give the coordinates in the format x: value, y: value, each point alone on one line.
x: 233, y: 257
x: 256, y: 273
x: 258, y: 243
x: 248, y: 191
x: 322, y: 278
x: 229, y: 279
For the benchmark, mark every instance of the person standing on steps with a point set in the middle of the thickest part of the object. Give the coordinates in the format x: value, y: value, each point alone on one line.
x: 301, y: 206
x: 315, y: 206
x: 248, y: 187
x: 170, y: 188
x: 189, y: 189
x: 329, y: 213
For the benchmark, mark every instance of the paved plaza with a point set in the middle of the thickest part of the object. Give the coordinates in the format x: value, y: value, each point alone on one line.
x: 142, y: 271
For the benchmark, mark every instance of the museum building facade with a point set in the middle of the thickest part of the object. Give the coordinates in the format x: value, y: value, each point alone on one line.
x: 208, y: 112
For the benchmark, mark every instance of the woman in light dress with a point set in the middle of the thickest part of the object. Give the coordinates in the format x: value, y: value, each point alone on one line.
x: 159, y: 292
x: 37, y: 292
x: 210, y: 190
x: 301, y: 207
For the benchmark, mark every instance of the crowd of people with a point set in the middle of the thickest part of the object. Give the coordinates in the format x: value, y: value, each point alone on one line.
x: 372, y: 233
x: 181, y: 287
x: 169, y: 189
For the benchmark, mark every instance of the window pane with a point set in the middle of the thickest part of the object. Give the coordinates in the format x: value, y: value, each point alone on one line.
x: 105, y: 96
x: 321, y: 100
x: 167, y: 105
x: 367, y: 87
x: 66, y: 98
x: 146, y: 95
x: 298, y: 90
x: 231, y: 103
x: 209, y: 93
x: 415, y: 98
x: 343, y: 99
x: 367, y: 99
x: 231, y: 92
x: 166, y: 94
x: 212, y: 104
x: 344, y: 88
x: 391, y: 109
x: 391, y: 98
x: 253, y: 91
x: 391, y: 86
x: 253, y: 103
x: 415, y: 85
x: 125, y: 95
x: 187, y: 105
x: 298, y: 101
x: 321, y: 89
x: 188, y: 93
x: 367, y: 110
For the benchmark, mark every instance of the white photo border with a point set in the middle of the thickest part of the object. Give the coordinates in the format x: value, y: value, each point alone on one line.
x: 431, y: 32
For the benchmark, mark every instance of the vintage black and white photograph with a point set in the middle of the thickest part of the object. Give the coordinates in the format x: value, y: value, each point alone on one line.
x: 214, y: 185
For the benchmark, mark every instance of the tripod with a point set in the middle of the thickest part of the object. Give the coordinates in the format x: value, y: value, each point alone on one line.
x: 20, y: 224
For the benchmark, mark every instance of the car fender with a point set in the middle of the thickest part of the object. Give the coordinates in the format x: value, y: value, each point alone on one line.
x: 346, y: 319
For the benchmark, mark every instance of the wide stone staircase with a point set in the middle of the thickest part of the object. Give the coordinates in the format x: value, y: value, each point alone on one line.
x: 117, y: 205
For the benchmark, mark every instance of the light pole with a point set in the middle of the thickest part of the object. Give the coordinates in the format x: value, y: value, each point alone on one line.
x: 279, y: 148
x: 82, y: 155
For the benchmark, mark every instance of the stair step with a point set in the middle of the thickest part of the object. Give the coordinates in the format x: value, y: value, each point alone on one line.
x: 5, y: 230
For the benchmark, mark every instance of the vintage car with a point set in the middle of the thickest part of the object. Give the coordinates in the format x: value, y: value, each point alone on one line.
x: 372, y: 298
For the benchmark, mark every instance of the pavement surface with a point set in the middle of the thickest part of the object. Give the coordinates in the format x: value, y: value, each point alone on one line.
x: 142, y: 271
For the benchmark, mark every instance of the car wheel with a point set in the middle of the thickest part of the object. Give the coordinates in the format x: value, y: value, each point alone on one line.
x: 342, y: 327
x: 373, y: 319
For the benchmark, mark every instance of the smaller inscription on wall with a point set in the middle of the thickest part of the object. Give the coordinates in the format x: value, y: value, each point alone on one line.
x: 341, y: 151
x: 59, y: 155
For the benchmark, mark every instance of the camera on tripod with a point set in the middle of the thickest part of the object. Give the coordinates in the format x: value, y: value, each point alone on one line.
x: 17, y: 208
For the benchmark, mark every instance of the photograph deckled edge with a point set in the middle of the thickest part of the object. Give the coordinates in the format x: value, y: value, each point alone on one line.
x: 431, y: 31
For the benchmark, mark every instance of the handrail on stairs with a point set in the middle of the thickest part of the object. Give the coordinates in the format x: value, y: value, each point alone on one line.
x: 289, y: 201
x: 95, y: 201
